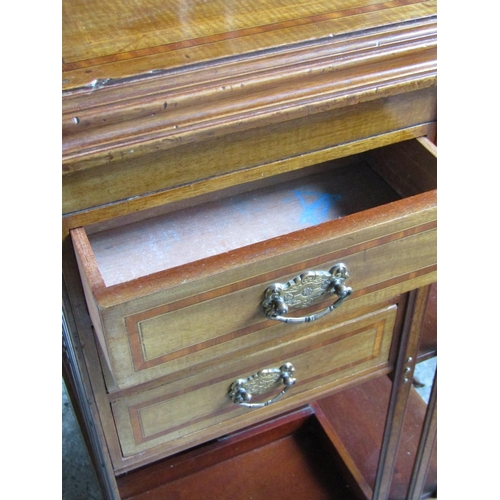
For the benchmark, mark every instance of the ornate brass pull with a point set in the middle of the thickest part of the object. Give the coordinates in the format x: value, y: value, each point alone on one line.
x: 243, y: 389
x: 303, y: 291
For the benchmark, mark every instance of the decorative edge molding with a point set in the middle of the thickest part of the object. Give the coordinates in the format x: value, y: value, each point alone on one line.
x: 107, y: 123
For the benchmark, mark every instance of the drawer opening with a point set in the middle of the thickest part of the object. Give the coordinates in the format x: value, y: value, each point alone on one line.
x: 181, y: 291
x: 265, y: 210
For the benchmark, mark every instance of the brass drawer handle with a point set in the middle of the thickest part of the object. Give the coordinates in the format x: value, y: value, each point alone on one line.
x: 303, y: 290
x: 243, y: 389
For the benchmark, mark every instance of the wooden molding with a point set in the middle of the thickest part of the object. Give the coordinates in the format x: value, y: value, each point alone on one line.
x: 126, y: 118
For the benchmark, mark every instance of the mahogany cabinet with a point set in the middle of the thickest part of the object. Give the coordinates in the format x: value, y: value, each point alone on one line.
x: 249, y: 245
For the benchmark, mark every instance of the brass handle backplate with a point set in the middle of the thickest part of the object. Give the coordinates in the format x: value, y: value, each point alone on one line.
x: 243, y: 389
x: 303, y: 291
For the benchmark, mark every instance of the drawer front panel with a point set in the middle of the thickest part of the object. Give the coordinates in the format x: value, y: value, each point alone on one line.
x: 186, y: 412
x: 201, y: 330
x: 137, y: 175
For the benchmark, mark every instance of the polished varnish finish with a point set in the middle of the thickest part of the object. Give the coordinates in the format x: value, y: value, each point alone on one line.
x: 287, y: 103
x: 181, y: 114
x: 110, y: 40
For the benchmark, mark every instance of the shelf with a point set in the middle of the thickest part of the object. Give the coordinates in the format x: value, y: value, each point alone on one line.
x: 354, y: 421
x: 283, y: 458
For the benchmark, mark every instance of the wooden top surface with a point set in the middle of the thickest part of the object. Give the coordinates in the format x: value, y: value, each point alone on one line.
x: 108, y: 39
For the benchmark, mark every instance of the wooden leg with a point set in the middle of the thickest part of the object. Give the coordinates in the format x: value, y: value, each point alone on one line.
x: 403, y: 374
x: 425, y: 447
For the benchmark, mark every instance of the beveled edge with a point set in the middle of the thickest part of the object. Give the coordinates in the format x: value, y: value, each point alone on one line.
x: 162, y: 112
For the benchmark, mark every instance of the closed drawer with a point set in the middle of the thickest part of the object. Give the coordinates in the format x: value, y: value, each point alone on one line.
x: 181, y: 291
x: 184, y: 413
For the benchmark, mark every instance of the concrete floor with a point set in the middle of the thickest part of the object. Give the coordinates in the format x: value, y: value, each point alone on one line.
x: 79, y: 481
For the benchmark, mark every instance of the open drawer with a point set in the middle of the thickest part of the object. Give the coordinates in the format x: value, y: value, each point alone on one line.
x: 174, y: 292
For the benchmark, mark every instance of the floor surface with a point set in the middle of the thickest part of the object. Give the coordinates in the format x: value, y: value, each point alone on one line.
x: 79, y: 481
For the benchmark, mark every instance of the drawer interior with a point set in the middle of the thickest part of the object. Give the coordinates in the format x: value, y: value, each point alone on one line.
x: 200, y: 227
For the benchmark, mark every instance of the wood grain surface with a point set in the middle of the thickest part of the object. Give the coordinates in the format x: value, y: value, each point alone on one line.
x: 171, y: 105
x: 143, y: 324
x: 192, y: 409
x: 108, y: 40
x: 130, y: 137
